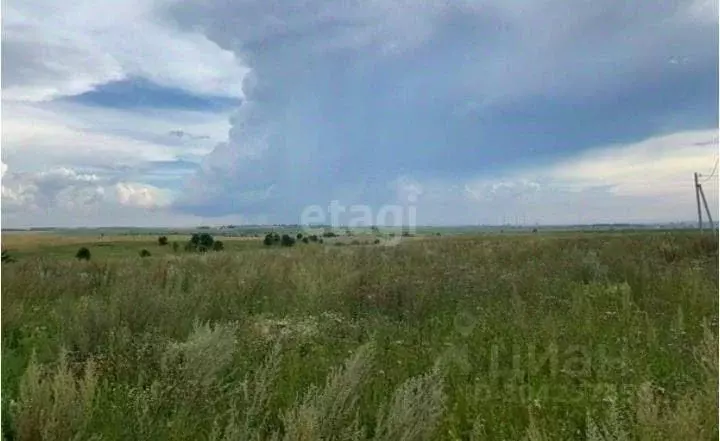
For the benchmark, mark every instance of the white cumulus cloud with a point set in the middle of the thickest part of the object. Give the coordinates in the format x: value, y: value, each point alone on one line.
x: 141, y: 195
x: 52, y: 50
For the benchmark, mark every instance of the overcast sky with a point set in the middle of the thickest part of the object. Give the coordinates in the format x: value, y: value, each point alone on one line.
x: 165, y: 112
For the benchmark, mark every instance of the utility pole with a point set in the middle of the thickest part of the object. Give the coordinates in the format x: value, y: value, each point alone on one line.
x: 697, y: 199
x: 707, y: 209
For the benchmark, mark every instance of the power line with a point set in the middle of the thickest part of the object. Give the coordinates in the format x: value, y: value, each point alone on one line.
x: 714, y: 170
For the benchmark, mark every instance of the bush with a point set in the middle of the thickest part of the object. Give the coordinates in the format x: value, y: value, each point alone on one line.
x: 329, y: 234
x: 144, y: 253
x: 376, y: 241
x: 299, y: 236
x: 287, y: 241
x: 6, y: 257
x: 305, y: 240
x: 271, y: 238
x: 83, y: 254
x: 162, y: 241
x: 201, y: 242
x: 218, y: 246
x: 175, y: 247
x: 314, y: 238
x: 202, y: 239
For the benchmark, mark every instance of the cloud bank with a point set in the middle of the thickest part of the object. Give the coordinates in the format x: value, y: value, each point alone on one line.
x: 484, y: 111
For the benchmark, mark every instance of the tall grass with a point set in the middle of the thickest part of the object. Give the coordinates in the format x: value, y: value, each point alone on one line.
x: 593, y: 337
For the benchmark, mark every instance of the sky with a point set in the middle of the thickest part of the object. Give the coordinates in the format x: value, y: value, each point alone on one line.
x: 212, y: 112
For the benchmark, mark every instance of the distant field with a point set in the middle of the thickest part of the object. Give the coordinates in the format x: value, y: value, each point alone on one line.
x: 467, y: 336
x: 53, y: 245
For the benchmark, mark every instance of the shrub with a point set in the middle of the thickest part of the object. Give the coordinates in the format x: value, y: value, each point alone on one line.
x: 299, y: 236
x: 83, y: 254
x: 355, y: 242
x: 329, y: 234
x: 200, y: 242
x: 287, y: 241
x: 175, y: 247
x: 305, y: 240
x: 269, y: 240
x: 162, y: 241
x: 202, y: 239
x: 218, y: 246
x: 376, y: 241
x: 144, y: 253
x: 314, y: 238
x: 6, y: 257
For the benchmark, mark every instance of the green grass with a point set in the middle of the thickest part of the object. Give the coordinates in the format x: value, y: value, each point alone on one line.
x: 575, y: 336
x: 56, y: 247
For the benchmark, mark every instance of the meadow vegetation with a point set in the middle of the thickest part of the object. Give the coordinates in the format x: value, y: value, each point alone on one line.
x: 496, y: 337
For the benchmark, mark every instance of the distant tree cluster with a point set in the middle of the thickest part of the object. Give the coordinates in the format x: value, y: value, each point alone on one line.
x: 287, y: 240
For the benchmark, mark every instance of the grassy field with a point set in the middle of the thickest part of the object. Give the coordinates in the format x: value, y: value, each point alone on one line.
x: 494, y: 337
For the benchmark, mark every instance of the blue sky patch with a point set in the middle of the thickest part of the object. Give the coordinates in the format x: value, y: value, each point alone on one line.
x: 138, y: 93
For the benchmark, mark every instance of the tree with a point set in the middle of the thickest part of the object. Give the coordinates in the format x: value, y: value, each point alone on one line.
x: 218, y: 246
x: 83, y: 254
x: 162, y: 241
x: 268, y: 239
x: 305, y: 240
x: 200, y: 242
x: 287, y: 241
x: 299, y: 236
x: 144, y: 253
x: 202, y: 239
